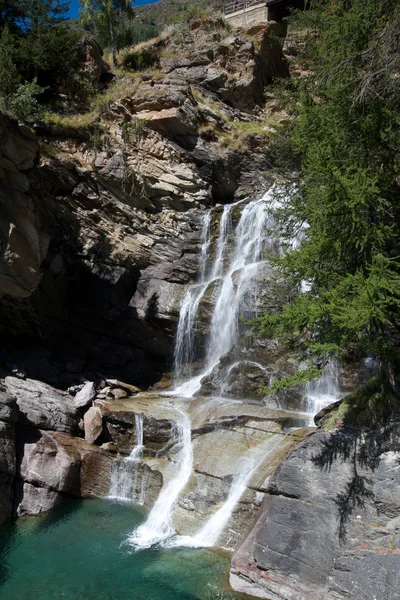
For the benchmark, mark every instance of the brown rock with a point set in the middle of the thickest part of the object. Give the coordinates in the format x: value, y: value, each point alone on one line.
x: 93, y: 423
x: 120, y: 393
x: 115, y: 383
x: 171, y: 122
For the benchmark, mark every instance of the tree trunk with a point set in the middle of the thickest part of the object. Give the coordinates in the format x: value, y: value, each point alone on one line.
x: 112, y: 42
x: 394, y: 382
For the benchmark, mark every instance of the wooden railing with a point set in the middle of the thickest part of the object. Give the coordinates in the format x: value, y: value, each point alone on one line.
x: 233, y: 6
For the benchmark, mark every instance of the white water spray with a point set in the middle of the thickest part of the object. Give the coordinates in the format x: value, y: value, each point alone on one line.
x: 205, y: 245
x: 125, y: 472
x: 138, y: 448
x: 210, y: 533
x: 238, y: 273
x: 321, y: 392
x: 157, y: 526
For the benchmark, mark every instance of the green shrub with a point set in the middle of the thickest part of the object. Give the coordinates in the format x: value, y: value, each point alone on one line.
x: 135, y: 130
x: 140, y: 59
x: 23, y: 104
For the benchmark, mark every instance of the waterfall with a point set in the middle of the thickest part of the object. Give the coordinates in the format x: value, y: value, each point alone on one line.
x: 321, y: 392
x: 231, y: 266
x: 249, y: 238
x: 125, y: 472
x: 205, y: 245
x: 237, y: 274
x: 138, y: 448
x: 185, y: 337
x: 210, y: 533
x: 157, y: 526
x: 225, y: 227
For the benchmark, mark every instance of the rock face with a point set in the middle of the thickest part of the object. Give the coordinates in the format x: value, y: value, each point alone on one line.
x: 55, y: 464
x: 328, y: 527
x: 226, y: 439
x: 100, y: 226
x: 43, y: 407
x: 8, y: 418
x: 23, y: 240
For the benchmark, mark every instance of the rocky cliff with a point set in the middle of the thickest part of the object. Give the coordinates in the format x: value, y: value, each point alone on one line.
x: 100, y: 223
x: 328, y: 528
x: 100, y: 226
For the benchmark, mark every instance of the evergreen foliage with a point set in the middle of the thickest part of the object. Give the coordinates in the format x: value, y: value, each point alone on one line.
x: 38, y: 55
x: 106, y: 17
x: 346, y: 137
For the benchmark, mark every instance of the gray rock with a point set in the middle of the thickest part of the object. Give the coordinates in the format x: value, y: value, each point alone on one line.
x: 48, y: 463
x: 43, y: 407
x: 85, y: 396
x: 35, y: 500
x: 327, y: 528
x: 55, y: 465
x: 386, y: 487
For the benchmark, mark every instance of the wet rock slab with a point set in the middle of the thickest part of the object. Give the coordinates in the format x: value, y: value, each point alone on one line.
x: 228, y: 437
x: 328, y: 528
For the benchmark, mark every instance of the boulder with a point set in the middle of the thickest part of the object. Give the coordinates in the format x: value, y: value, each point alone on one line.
x: 93, y: 422
x: 93, y: 65
x: 43, y: 407
x: 171, y: 122
x: 116, y: 383
x: 156, y: 98
x: 85, y: 396
x: 55, y: 465
x: 34, y: 500
x: 48, y: 463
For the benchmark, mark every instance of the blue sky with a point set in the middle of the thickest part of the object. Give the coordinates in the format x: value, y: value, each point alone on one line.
x: 74, y: 9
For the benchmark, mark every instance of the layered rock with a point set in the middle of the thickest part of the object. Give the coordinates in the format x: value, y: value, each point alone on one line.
x: 100, y: 222
x: 43, y: 407
x: 329, y: 524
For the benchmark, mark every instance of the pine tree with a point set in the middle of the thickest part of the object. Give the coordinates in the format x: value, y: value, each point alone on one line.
x: 9, y: 76
x: 42, y: 23
x: 347, y: 137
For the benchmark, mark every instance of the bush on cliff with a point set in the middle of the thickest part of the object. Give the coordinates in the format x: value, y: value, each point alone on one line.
x: 38, y: 55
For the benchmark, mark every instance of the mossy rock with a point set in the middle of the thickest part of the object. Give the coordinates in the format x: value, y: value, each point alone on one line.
x: 372, y: 406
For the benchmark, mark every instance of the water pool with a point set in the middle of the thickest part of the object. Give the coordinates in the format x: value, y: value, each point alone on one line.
x: 77, y: 552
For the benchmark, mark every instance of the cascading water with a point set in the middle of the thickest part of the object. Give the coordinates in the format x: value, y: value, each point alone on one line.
x: 205, y: 245
x: 237, y: 275
x: 157, y: 526
x: 185, y: 337
x: 225, y: 227
x: 322, y: 392
x: 125, y: 472
x: 210, y: 533
x: 230, y: 268
x: 138, y: 448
